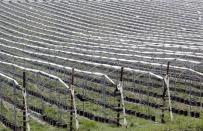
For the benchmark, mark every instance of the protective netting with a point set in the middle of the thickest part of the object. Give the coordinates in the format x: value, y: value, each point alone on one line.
x: 119, y: 51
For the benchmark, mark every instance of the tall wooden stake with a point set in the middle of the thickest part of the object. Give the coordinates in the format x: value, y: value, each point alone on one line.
x: 24, y: 110
x: 168, y: 68
x: 71, y: 112
x: 163, y: 96
x: 119, y: 99
x: 15, y: 112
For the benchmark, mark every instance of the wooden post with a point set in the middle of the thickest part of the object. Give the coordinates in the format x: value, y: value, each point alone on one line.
x: 168, y: 68
x: 24, y: 109
x: 15, y: 111
x: 119, y: 99
x: 71, y: 110
x: 163, y: 97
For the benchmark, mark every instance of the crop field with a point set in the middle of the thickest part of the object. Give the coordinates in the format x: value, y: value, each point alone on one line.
x: 101, y: 65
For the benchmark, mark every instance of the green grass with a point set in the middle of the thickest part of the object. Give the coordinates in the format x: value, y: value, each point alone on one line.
x: 180, y: 123
x: 3, y: 128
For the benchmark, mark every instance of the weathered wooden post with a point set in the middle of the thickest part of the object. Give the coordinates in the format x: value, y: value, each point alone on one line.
x: 71, y: 109
x: 24, y: 103
x: 164, y: 95
x: 119, y: 99
x: 15, y: 111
